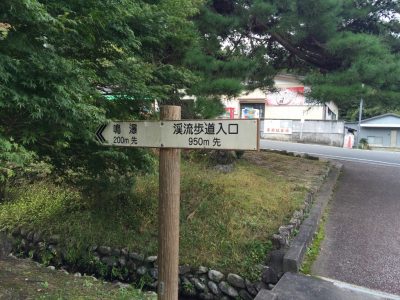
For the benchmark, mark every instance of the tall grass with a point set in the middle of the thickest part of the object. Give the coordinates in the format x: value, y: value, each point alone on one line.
x: 226, y: 219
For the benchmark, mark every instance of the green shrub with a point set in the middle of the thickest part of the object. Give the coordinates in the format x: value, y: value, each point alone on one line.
x: 13, y: 159
x: 363, y: 144
x: 222, y: 157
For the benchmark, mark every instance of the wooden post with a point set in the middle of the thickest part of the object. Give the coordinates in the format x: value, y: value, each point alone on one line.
x: 168, y: 215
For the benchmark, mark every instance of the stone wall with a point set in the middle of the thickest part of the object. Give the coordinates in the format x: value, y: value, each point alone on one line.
x: 126, y: 266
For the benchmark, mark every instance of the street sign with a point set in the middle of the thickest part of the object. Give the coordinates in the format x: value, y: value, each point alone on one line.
x: 185, y: 134
x: 170, y: 134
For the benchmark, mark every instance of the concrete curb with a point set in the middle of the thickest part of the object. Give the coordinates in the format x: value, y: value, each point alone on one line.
x: 305, y: 287
x: 294, y: 256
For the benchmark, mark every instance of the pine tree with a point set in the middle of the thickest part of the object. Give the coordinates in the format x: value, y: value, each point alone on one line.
x: 347, y: 49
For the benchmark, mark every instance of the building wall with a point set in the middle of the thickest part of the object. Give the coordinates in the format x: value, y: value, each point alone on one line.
x: 312, y: 131
x: 287, y: 102
x: 378, y: 130
x: 398, y: 138
x: 287, y: 81
x: 257, y: 94
x: 332, y: 111
x: 232, y: 103
x: 378, y: 137
x: 296, y: 112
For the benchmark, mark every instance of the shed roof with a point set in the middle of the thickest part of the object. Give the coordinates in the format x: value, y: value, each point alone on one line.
x: 388, y: 120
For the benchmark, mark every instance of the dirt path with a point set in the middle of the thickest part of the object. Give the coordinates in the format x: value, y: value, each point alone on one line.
x: 25, y: 279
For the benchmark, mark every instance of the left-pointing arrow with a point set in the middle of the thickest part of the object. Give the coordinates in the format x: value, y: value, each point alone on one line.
x: 99, y: 132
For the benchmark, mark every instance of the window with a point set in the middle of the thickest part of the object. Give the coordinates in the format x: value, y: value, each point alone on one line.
x: 253, y: 106
x: 331, y: 114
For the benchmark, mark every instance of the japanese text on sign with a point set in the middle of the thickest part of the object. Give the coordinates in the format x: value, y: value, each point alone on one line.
x: 206, y: 128
x: 210, y: 134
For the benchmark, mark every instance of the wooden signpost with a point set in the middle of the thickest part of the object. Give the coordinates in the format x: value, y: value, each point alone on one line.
x: 168, y: 214
x: 171, y: 134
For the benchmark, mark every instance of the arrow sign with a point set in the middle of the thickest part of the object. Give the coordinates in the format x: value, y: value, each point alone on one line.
x: 174, y: 133
x: 239, y: 134
x: 99, y: 132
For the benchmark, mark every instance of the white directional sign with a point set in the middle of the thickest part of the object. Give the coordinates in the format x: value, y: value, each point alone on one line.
x: 197, y: 134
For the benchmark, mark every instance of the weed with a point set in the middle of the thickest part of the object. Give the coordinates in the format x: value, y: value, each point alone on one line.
x: 119, y: 273
x: 313, y: 250
x: 188, y: 288
x: 87, y: 283
x: 100, y: 267
x: 46, y: 257
x: 363, y: 144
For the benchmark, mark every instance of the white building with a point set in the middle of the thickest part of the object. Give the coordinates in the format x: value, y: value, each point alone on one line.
x: 288, y: 103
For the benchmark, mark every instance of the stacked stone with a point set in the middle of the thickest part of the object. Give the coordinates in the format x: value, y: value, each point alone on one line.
x: 285, y: 232
x: 33, y: 244
x: 200, y: 283
x: 211, y: 284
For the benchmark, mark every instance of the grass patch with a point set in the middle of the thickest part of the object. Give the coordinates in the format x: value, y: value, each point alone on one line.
x: 313, y: 251
x: 226, y: 219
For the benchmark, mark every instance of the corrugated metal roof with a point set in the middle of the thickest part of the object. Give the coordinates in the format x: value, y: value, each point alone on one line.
x: 381, y: 116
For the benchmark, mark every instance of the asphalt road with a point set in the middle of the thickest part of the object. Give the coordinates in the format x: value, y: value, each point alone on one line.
x: 362, y: 241
x: 362, y: 238
x: 363, y: 156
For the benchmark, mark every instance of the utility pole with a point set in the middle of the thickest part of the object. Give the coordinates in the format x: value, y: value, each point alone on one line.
x: 359, y: 120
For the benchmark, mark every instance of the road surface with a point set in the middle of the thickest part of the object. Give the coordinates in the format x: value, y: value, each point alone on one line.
x: 384, y: 158
x: 362, y: 238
